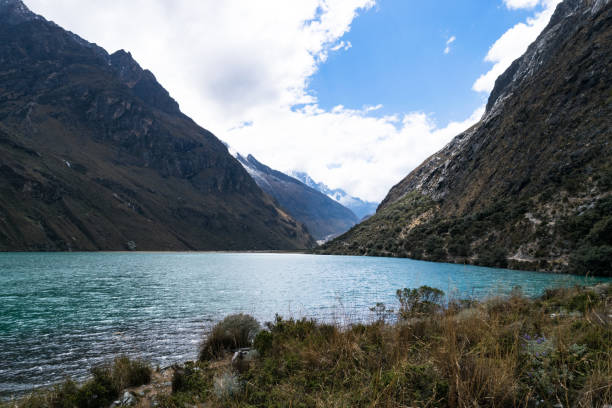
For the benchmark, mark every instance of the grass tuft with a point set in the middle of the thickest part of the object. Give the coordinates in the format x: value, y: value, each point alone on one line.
x: 233, y: 332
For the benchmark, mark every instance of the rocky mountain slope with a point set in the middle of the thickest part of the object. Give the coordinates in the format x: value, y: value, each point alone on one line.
x: 529, y: 186
x: 96, y: 155
x: 324, y: 217
x: 362, y: 209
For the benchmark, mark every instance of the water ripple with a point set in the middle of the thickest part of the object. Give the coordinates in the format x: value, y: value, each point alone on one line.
x: 65, y: 313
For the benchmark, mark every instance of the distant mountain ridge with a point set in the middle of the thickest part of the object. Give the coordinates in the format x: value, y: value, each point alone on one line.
x: 360, y: 207
x: 96, y: 155
x: 324, y: 217
x: 530, y: 185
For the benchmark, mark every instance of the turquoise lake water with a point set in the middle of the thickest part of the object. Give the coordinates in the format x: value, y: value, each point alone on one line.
x: 62, y: 313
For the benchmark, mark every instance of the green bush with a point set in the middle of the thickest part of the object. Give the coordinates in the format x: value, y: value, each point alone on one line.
x: 414, y: 302
x: 130, y: 373
x: 189, y: 378
x: 495, y: 257
x: 235, y: 331
x: 592, y: 260
x: 263, y: 342
x: 99, y: 391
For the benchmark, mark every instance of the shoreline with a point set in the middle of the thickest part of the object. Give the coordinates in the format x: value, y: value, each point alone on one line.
x: 570, y: 314
x: 511, y: 267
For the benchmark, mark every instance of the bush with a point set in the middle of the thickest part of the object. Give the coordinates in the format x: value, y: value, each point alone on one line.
x: 263, y: 342
x: 235, y: 331
x: 99, y: 391
x: 189, y: 378
x: 227, y: 385
x: 130, y: 373
x: 495, y: 257
x: 61, y: 396
x: 589, y: 260
x: 414, y: 302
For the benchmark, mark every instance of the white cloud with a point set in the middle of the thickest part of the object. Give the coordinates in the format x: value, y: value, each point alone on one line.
x: 374, y: 153
x: 241, y: 68
x: 518, y: 4
x: 221, y: 60
x: 514, y: 42
x: 448, y: 44
x: 342, y: 46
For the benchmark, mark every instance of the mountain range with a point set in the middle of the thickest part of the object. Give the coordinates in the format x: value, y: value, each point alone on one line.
x: 362, y: 209
x: 529, y: 186
x: 325, y: 218
x: 96, y: 155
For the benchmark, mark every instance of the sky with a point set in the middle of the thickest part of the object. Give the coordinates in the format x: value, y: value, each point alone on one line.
x: 356, y: 93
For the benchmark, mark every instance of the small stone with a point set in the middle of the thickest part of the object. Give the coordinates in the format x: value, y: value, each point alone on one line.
x: 128, y: 399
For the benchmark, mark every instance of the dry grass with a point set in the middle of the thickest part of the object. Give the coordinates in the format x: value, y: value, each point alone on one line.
x: 100, y: 391
x: 514, y: 352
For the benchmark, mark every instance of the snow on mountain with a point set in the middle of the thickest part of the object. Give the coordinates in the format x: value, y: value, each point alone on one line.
x: 361, y: 208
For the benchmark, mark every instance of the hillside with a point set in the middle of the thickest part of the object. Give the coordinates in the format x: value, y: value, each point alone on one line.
x: 96, y: 155
x: 529, y: 186
x: 324, y: 217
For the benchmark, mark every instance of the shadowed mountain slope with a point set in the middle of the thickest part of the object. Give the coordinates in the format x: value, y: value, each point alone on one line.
x: 362, y: 209
x: 96, y: 155
x: 324, y: 217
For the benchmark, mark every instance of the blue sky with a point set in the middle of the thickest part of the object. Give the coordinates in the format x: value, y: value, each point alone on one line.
x: 397, y: 57
x: 356, y: 93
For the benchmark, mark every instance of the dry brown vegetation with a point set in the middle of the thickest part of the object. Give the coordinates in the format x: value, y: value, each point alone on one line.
x: 513, y: 352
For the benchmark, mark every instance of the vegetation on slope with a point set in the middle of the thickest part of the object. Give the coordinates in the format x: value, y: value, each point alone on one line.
x: 413, y: 228
x: 96, y: 155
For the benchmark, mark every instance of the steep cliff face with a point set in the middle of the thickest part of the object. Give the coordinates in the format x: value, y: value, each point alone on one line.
x: 324, y: 217
x: 529, y: 185
x: 95, y: 154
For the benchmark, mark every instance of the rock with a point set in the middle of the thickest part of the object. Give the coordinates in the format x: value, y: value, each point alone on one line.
x: 128, y: 399
x: 242, y: 359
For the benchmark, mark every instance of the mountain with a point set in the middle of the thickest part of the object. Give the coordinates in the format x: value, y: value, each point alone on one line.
x: 362, y: 209
x: 96, y: 155
x: 324, y: 217
x: 529, y: 186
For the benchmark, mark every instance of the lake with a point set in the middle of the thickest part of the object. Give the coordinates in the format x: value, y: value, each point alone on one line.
x: 62, y: 313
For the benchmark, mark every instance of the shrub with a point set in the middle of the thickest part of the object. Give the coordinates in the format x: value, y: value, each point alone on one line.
x: 189, y: 378
x: 263, y: 342
x: 130, y: 373
x: 589, y: 260
x: 227, y: 385
x: 99, y: 391
x: 414, y: 302
x: 235, y: 331
x: 495, y: 257
x: 63, y: 395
